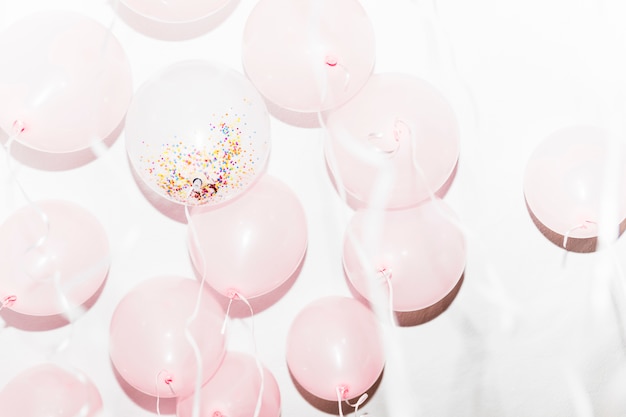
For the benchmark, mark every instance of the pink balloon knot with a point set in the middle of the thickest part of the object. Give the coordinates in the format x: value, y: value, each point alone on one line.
x: 386, y: 272
x: 217, y: 414
x: 168, y: 380
x: 18, y: 126
x: 232, y: 294
x: 331, y: 60
x: 586, y: 223
x: 9, y: 300
x: 343, y: 391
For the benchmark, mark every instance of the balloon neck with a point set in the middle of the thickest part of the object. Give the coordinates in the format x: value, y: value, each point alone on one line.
x: 217, y: 414
x: 331, y: 60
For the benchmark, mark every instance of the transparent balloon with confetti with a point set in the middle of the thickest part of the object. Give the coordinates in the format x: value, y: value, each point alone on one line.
x: 198, y: 133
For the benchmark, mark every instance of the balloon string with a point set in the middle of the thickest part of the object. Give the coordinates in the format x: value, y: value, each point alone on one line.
x: 332, y: 62
x: 356, y: 405
x: 387, y: 276
x: 583, y: 225
x: 18, y: 128
x: 168, y: 380
x: 340, y: 391
x: 115, y: 7
x: 194, y: 315
x: 230, y: 303
x: 259, y: 402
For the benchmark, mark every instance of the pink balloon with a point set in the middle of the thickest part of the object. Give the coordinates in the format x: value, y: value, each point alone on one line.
x: 148, y: 344
x: 565, y: 181
x: 54, y: 255
x: 334, y: 344
x: 253, y: 244
x: 421, y: 250
x: 50, y: 391
x: 197, y: 133
x: 179, y: 11
x: 66, y: 81
x: 308, y: 56
x: 395, y: 123
x: 234, y: 391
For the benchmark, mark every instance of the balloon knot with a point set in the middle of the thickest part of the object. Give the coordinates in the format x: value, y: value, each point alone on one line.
x: 18, y: 126
x: 168, y: 380
x: 331, y: 60
x: 217, y: 414
x: 8, y: 301
x: 386, y: 272
x: 232, y: 294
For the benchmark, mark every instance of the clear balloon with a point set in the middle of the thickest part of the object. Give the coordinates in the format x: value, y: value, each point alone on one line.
x: 308, y: 56
x: 334, y: 345
x: 197, y: 133
x: 179, y: 11
x: 567, y: 181
x: 234, y: 391
x: 48, y: 390
x: 419, y: 251
x: 54, y: 256
x: 148, y: 342
x: 252, y: 245
x: 397, y: 127
x: 65, y: 80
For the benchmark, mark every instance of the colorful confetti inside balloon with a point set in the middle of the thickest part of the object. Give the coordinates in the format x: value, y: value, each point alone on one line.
x: 197, y: 133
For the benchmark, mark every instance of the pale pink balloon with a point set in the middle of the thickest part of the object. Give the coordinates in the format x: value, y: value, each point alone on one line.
x: 420, y: 250
x: 234, y: 391
x: 334, y: 344
x: 177, y: 11
x: 253, y: 244
x: 565, y: 180
x: 54, y: 256
x: 148, y: 342
x: 48, y: 390
x: 198, y: 133
x: 308, y: 55
x: 66, y: 80
x: 397, y: 125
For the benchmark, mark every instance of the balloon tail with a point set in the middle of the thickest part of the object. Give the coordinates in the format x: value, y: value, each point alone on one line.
x: 259, y: 365
x: 168, y: 380
x: 192, y: 341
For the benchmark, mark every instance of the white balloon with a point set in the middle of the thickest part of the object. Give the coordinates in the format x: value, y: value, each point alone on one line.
x: 198, y: 133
